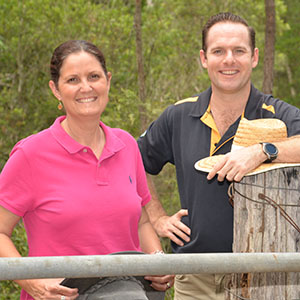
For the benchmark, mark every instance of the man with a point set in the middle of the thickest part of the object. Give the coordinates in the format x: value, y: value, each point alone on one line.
x: 205, y: 125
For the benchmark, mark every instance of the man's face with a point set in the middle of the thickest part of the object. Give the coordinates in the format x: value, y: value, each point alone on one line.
x: 229, y: 59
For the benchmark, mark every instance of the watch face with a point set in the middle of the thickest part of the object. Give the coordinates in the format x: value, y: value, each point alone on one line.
x: 271, y: 149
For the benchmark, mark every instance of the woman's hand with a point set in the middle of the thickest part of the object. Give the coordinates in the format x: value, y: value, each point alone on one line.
x: 41, y: 289
x: 161, y: 283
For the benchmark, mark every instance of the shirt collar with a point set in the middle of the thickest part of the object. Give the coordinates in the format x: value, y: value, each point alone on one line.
x: 254, y: 102
x: 202, y: 107
x: 113, y: 143
x: 202, y: 104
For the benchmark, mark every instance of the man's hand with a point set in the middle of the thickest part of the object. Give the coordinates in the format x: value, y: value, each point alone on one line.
x: 172, y: 227
x: 236, y: 164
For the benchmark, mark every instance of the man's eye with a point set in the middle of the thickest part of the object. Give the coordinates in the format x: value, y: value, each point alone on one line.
x: 239, y: 51
x: 218, y: 51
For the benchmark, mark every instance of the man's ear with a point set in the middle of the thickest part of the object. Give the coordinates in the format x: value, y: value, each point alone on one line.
x: 203, y: 59
x: 54, y: 90
x: 255, y: 58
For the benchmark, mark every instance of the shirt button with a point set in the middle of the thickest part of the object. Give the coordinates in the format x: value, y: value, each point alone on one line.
x: 84, y: 150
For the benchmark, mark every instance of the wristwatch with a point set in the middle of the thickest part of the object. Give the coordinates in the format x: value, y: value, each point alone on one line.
x: 270, y: 150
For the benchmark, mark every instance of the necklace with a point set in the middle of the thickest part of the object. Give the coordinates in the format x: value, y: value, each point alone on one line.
x: 96, y: 141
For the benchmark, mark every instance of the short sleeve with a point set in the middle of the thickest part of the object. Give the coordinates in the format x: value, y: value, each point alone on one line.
x: 142, y: 186
x: 16, y: 190
x: 156, y: 143
x: 290, y: 115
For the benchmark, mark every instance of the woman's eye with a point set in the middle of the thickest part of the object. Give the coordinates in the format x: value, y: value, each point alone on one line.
x: 72, y: 80
x: 95, y: 76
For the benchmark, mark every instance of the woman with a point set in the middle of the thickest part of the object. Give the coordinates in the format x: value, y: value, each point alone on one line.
x: 79, y: 185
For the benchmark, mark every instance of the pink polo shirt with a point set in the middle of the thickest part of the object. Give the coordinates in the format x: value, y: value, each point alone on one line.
x: 71, y: 202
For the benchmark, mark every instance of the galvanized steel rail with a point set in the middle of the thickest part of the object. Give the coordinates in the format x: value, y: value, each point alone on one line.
x: 120, y: 265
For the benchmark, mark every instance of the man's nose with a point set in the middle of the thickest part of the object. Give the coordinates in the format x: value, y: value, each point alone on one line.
x: 229, y: 57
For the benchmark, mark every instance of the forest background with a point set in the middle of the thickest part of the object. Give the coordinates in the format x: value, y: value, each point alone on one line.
x: 171, y: 40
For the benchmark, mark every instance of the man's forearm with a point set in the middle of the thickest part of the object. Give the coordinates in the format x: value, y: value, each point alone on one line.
x: 154, y: 208
x: 289, y: 150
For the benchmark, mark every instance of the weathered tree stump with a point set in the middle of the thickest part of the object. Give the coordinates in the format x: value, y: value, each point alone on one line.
x: 266, y: 219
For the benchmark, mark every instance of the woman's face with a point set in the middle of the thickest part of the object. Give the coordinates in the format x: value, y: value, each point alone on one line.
x: 82, y: 86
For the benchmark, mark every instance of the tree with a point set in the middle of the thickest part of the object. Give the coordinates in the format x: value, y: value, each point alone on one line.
x: 171, y: 40
x: 269, y: 46
x: 287, y: 76
x: 140, y: 63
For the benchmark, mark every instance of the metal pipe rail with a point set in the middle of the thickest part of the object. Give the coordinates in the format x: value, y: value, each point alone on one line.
x: 120, y: 265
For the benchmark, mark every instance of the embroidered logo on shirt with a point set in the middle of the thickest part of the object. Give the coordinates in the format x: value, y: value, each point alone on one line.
x: 269, y: 108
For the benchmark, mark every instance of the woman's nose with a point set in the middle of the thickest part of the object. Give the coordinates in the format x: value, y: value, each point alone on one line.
x: 85, y: 86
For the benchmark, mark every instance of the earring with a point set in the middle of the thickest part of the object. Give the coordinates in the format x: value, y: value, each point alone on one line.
x: 60, y: 106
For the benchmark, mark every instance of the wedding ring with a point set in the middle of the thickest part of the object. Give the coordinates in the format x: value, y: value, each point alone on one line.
x: 62, y: 297
x: 168, y: 285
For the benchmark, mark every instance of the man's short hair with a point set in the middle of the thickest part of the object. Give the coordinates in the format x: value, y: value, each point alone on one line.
x: 227, y: 17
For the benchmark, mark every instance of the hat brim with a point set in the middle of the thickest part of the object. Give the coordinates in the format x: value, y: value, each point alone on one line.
x: 206, y: 165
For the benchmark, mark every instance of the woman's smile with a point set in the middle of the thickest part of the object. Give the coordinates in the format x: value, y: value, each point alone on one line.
x: 86, y: 100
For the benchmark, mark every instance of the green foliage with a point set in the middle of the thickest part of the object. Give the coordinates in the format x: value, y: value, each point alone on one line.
x: 171, y: 32
x: 287, y: 76
x: 8, y: 289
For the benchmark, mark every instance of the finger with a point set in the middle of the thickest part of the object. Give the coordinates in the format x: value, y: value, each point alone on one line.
x: 238, y: 178
x: 162, y: 286
x: 175, y: 220
x: 216, y: 168
x: 236, y: 173
x: 182, y: 227
x: 231, y: 175
x: 175, y: 239
x: 224, y: 171
x: 181, y: 213
x: 161, y: 283
x: 173, y: 232
x: 211, y: 174
x: 181, y: 234
x: 159, y: 287
x: 60, y: 289
x: 154, y: 279
x: 162, y: 279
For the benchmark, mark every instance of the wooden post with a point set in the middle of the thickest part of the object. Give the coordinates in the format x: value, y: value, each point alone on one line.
x: 266, y: 214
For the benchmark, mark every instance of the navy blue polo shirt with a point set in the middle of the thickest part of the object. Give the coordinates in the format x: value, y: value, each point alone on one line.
x: 181, y: 136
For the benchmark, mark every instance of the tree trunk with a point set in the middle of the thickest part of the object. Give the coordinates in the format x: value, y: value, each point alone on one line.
x: 266, y: 214
x: 140, y: 63
x: 269, y: 46
x: 290, y: 78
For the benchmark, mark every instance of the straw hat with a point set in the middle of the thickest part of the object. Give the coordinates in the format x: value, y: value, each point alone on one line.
x: 250, y: 133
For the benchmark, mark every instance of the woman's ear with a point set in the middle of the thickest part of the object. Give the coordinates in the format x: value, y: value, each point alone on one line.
x: 109, y: 75
x: 54, y: 90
